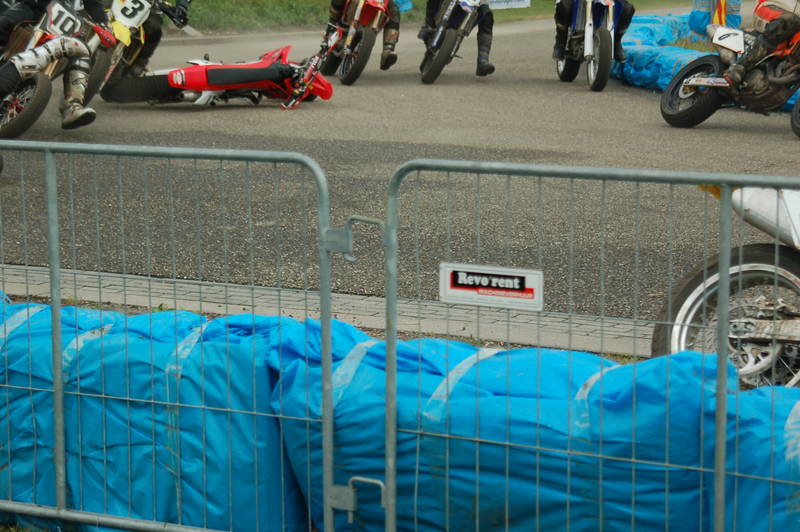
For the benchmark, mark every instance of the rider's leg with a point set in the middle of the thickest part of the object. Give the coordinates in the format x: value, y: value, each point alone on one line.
x: 431, y: 8
x: 73, y: 112
x: 152, y: 36
x: 775, y: 32
x: 485, y: 28
x: 624, y: 20
x: 562, y: 17
x: 391, y: 33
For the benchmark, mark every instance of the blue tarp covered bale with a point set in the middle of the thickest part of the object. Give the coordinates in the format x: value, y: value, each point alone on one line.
x: 131, y: 451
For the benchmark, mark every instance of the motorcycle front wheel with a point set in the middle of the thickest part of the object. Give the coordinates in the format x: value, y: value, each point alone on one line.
x: 796, y: 117
x: 440, y: 58
x: 101, y: 62
x: 598, y: 69
x: 23, y: 107
x: 763, y: 278
x: 682, y: 107
x: 353, y: 64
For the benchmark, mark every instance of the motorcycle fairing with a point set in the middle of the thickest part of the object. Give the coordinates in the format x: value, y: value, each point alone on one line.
x: 244, y: 76
x: 367, y: 16
x: 729, y: 38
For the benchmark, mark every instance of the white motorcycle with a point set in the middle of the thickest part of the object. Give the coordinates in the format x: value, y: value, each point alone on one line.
x: 595, y: 18
x: 764, y: 319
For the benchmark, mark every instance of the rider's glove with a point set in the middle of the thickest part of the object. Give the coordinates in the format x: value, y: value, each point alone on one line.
x: 181, y: 13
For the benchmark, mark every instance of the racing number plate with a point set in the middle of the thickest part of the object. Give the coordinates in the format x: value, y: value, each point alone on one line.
x: 60, y: 20
x: 131, y: 13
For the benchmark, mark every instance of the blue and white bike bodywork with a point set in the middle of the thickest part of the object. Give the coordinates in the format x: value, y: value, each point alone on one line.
x: 598, y: 51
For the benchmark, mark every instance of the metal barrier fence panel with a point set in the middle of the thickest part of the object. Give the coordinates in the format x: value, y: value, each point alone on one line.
x: 123, y: 232
x: 540, y: 439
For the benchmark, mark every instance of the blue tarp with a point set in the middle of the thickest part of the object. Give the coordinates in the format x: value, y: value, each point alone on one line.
x: 131, y: 451
x: 488, y: 439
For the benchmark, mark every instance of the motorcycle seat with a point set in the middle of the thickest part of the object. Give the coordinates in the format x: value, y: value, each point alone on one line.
x: 238, y: 75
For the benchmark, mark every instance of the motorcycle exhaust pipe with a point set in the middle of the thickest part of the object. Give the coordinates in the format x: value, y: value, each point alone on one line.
x: 790, y: 76
x: 32, y: 61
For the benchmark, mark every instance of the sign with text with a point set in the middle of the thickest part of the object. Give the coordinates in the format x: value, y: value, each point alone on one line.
x: 491, y: 286
x: 505, y: 4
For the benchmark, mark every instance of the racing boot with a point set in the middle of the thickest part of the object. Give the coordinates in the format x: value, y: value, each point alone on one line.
x: 73, y: 112
x: 484, y: 67
x: 735, y: 73
x: 560, y: 46
x: 389, y: 56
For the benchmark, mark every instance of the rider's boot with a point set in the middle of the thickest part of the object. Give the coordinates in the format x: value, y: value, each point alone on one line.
x: 389, y: 56
x: 759, y: 50
x: 560, y: 46
x: 484, y: 67
x: 73, y: 112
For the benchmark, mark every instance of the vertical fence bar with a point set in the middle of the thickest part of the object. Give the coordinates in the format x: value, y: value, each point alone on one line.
x: 55, y: 295
x: 390, y: 239
x: 725, y: 234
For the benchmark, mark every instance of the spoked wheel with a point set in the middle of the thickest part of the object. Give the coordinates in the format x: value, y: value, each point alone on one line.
x: 598, y: 69
x: 101, y: 62
x: 20, y: 109
x: 440, y: 58
x: 764, y: 289
x: 353, y: 64
x: 687, y: 107
x: 331, y: 64
x: 796, y: 117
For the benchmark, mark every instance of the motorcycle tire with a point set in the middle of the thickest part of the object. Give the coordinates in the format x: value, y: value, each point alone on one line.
x: 20, y: 109
x: 567, y: 69
x: 141, y: 89
x: 441, y: 57
x: 796, y: 117
x: 689, y: 323
x: 353, y: 64
x: 681, y: 108
x: 101, y: 62
x: 598, y: 69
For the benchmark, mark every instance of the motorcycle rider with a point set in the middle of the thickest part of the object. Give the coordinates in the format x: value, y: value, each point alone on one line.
x: 153, y: 31
x: 73, y: 112
x: 775, y: 21
x: 485, y: 28
x: 563, y: 17
x: 391, y: 32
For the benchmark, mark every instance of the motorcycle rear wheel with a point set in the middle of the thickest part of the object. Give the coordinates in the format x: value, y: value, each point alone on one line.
x: 353, y: 64
x: 796, y: 117
x: 599, y: 68
x: 141, y: 89
x: 330, y: 65
x: 441, y: 57
x: 682, y: 108
x: 757, y: 281
x: 23, y: 107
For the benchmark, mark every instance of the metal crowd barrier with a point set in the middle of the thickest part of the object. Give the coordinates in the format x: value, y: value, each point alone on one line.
x: 583, y: 259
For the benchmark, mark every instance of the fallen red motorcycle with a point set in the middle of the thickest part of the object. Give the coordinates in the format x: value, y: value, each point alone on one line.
x: 205, y: 82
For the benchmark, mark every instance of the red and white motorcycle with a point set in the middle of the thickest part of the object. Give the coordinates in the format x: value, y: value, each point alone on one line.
x: 205, y: 82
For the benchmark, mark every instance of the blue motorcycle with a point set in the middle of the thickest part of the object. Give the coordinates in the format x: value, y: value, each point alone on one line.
x: 598, y: 51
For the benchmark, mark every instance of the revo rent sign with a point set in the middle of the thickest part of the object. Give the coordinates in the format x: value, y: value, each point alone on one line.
x: 491, y: 286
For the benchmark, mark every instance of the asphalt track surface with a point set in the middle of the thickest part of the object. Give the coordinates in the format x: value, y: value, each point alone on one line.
x: 605, y: 249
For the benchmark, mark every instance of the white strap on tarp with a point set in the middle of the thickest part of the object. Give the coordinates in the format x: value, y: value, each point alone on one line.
x: 16, y: 320
x: 434, y: 409
x: 343, y: 375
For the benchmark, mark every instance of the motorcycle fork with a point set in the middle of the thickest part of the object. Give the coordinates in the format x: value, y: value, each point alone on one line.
x: 351, y: 31
x: 443, y: 18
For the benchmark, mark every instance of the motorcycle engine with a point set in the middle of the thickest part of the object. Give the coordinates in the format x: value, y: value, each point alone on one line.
x: 759, y: 94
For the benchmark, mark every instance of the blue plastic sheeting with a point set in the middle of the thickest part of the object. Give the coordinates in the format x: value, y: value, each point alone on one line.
x: 404, y: 5
x: 129, y: 453
x: 652, y: 62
